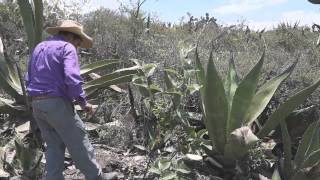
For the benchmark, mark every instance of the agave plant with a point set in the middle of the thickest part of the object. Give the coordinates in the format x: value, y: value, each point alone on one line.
x: 11, y: 80
x: 230, y: 107
x: 10, y: 83
x: 23, y: 162
x: 306, y: 163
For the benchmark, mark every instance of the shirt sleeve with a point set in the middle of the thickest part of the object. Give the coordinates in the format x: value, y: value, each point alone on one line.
x: 73, y: 80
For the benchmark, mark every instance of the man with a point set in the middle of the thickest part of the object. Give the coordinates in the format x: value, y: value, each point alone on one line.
x: 54, y: 84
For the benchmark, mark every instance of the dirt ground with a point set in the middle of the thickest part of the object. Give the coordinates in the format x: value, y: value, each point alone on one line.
x: 128, y: 165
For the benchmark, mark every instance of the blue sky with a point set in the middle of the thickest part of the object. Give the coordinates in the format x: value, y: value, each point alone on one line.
x: 258, y: 14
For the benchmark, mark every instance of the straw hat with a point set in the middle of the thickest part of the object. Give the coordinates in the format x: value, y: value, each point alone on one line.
x: 74, y: 27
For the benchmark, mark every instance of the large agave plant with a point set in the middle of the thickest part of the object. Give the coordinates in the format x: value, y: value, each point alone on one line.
x: 10, y: 80
x: 230, y: 107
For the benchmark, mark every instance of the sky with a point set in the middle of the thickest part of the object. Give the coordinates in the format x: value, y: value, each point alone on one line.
x: 257, y: 14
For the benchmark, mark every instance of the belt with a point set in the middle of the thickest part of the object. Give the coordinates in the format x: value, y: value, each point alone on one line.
x: 42, y: 97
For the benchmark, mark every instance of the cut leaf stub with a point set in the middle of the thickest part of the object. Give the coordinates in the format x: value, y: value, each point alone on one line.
x: 244, y: 136
x: 239, y: 143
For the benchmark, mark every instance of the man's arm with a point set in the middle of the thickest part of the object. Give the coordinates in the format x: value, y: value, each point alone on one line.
x: 73, y: 80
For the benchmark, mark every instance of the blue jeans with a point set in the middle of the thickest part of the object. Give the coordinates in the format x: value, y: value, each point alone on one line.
x: 62, y: 127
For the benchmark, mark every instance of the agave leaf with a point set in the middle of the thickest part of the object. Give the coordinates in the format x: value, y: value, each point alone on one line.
x: 144, y: 83
x: 28, y: 21
x: 106, y: 81
x: 264, y: 95
x: 201, y: 77
x: 28, y: 158
x: 149, y: 69
x: 154, y: 89
x: 106, y: 64
x: 192, y: 88
x: 243, y: 97
x: 288, y: 169
x: 276, y: 175
x: 9, y: 87
x: 176, y: 98
x: 137, y: 62
x: 155, y: 170
x: 38, y: 21
x: 312, y: 159
x: 301, y: 175
x: 284, y: 110
x: 9, y: 106
x: 315, y: 142
x: 200, y: 73
x: 113, y: 87
x: 231, y: 83
x: 171, y: 87
x: 172, y: 71
x: 232, y: 79
x: 216, y: 107
x: 24, y: 156
x: 9, y: 80
x: 183, y: 170
x: 142, y: 86
x: 7, y: 67
x: 169, y: 81
x: 164, y: 164
x: 127, y: 72
x: 168, y: 176
x: 305, y: 143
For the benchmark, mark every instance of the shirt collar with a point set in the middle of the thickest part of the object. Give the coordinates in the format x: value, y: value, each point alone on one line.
x: 57, y: 37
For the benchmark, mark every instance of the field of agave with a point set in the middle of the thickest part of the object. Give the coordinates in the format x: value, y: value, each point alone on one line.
x: 190, y: 101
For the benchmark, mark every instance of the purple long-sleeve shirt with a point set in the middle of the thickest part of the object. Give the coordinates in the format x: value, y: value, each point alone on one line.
x: 54, y: 71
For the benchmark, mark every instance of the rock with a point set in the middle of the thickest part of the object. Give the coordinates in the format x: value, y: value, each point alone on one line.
x: 3, y: 174
x: 91, y: 126
x: 139, y: 158
x: 112, y: 175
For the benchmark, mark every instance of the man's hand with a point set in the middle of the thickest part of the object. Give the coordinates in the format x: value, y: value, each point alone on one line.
x: 89, y: 109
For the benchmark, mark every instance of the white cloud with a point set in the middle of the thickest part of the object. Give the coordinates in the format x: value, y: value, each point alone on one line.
x: 259, y: 25
x: 303, y: 17
x: 243, y: 6
x: 95, y: 4
x: 110, y: 4
x: 255, y: 25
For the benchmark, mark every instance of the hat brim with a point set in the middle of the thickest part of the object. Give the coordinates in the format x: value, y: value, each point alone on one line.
x: 86, y: 41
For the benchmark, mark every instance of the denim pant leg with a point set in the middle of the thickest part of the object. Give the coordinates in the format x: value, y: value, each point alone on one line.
x: 82, y: 151
x: 55, y: 146
x: 71, y: 130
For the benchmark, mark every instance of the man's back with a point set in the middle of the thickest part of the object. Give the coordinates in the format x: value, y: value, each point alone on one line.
x: 48, y: 65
